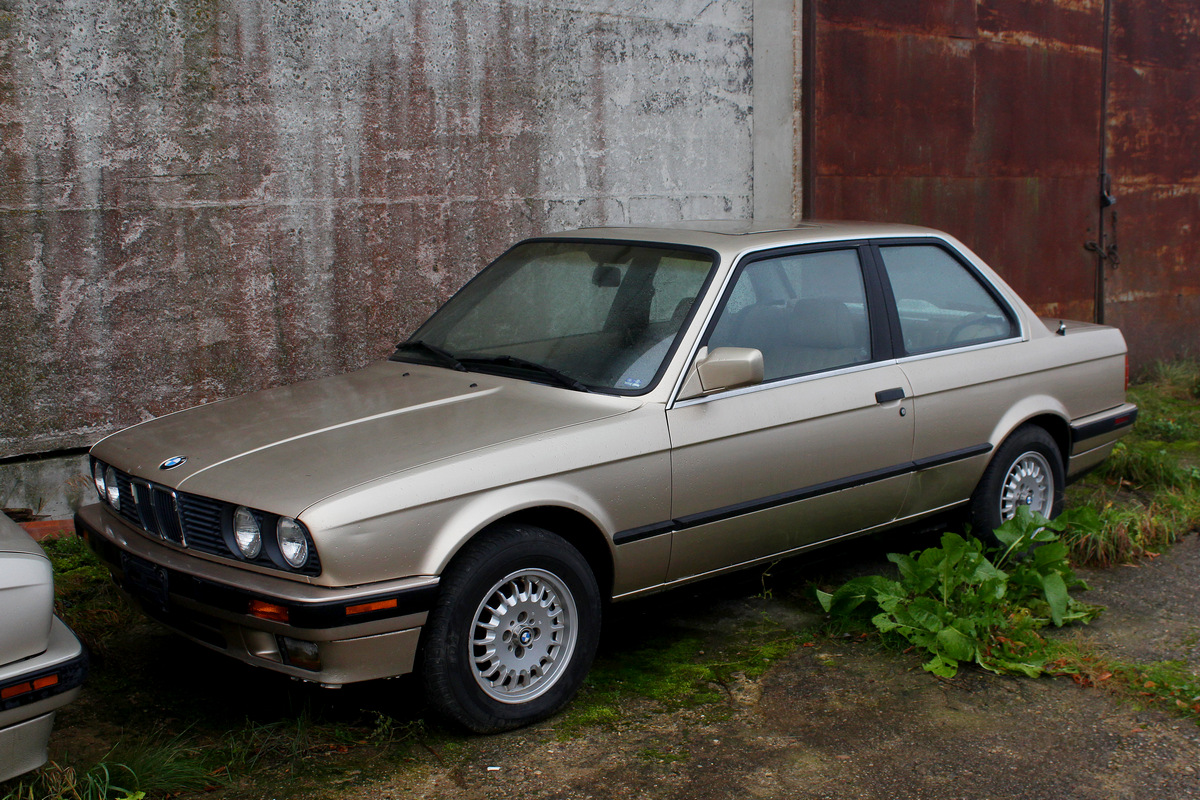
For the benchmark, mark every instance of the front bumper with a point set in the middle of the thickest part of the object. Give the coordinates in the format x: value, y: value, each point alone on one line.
x: 328, y: 635
x: 30, y: 692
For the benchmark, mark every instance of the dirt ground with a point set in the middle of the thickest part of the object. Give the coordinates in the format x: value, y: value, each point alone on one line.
x: 843, y: 719
x: 840, y: 718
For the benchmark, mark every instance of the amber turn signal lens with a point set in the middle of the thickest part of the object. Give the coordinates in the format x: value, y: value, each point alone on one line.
x: 363, y: 608
x: 265, y: 610
x: 29, y: 686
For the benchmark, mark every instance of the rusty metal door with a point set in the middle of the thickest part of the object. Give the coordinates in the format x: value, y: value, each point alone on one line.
x: 994, y: 120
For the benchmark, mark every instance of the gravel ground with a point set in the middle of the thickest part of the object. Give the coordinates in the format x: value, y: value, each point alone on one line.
x: 843, y: 719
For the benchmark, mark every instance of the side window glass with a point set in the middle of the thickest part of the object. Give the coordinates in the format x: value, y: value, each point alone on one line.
x: 820, y: 324
x: 940, y: 302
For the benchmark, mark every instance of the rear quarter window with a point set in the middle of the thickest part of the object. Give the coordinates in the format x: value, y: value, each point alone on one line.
x: 941, y: 302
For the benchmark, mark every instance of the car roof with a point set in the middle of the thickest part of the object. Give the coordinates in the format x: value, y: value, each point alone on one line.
x: 724, y: 235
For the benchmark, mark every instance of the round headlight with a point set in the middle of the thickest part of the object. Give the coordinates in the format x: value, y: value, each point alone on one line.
x: 246, y: 532
x: 293, y: 544
x: 111, y: 489
x: 98, y: 477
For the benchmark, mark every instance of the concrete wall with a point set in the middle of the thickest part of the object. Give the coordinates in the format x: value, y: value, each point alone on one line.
x: 200, y: 198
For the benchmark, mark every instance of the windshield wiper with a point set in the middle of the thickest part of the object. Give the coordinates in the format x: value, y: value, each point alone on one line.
x: 440, y: 356
x: 520, y: 363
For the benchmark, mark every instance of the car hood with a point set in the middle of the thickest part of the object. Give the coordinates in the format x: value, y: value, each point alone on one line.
x: 284, y: 449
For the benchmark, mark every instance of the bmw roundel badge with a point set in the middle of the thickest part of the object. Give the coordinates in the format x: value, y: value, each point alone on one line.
x: 172, y: 462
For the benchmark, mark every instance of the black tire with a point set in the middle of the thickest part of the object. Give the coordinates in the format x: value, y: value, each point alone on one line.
x: 535, y: 668
x: 1027, y: 469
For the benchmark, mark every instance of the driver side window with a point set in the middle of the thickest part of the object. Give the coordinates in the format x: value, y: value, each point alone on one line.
x: 804, y: 312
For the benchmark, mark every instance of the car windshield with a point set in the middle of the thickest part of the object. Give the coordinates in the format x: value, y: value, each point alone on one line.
x: 585, y: 315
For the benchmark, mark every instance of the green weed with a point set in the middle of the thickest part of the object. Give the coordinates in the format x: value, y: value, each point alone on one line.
x: 1147, y: 494
x: 56, y: 782
x: 1148, y: 466
x: 961, y: 603
x: 663, y: 756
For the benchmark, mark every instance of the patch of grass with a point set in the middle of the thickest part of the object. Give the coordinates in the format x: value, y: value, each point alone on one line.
x: 1147, y: 494
x: 56, y: 782
x: 1106, y: 533
x: 667, y: 755
x: 150, y: 766
x: 1166, y: 685
x: 675, y: 672
x: 1146, y: 466
x: 85, y: 596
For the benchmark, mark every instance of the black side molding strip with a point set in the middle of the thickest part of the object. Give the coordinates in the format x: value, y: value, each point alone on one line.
x: 808, y: 492
x: 644, y: 532
x: 948, y: 458
x: 1122, y: 419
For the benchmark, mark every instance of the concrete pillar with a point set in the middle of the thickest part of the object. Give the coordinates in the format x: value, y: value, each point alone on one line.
x: 775, y: 109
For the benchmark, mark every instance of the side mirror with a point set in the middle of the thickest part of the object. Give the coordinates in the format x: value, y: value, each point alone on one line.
x: 722, y: 369
x: 606, y: 275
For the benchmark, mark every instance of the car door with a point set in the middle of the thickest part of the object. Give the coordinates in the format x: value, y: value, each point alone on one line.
x: 822, y: 447
x: 961, y: 348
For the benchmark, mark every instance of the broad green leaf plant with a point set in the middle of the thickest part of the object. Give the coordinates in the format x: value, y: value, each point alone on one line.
x: 964, y: 602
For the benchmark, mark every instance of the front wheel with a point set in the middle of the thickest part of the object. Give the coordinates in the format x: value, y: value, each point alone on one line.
x: 514, y: 630
x: 1026, y: 471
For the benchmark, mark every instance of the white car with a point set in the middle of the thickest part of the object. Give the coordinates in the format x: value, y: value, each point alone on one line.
x: 42, y: 663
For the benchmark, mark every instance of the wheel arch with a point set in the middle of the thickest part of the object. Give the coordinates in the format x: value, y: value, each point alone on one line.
x: 984, y: 512
x: 1059, y: 430
x: 1043, y: 412
x: 578, y: 530
x: 573, y: 525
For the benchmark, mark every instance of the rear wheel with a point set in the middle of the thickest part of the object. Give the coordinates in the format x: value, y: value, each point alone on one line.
x: 514, y: 630
x: 1026, y: 471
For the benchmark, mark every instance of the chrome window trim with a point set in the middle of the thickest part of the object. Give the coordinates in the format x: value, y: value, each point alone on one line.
x: 964, y: 349
x: 812, y: 376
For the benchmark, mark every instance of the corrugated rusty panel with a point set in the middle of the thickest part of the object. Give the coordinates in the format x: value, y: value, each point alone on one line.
x: 985, y: 130
x: 1037, y: 112
x: 1075, y: 24
x: 1154, y: 295
x: 1008, y: 93
x: 1154, y: 156
x: 947, y: 18
x: 1020, y: 222
x: 1162, y: 33
x: 893, y: 104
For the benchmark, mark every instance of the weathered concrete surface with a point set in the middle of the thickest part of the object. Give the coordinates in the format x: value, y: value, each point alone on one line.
x: 204, y: 197
x: 53, y: 488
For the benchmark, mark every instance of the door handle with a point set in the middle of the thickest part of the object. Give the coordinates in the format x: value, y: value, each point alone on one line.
x: 888, y: 395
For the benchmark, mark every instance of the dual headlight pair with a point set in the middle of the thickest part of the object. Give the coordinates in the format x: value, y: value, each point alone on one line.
x: 106, y: 484
x: 247, y: 534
